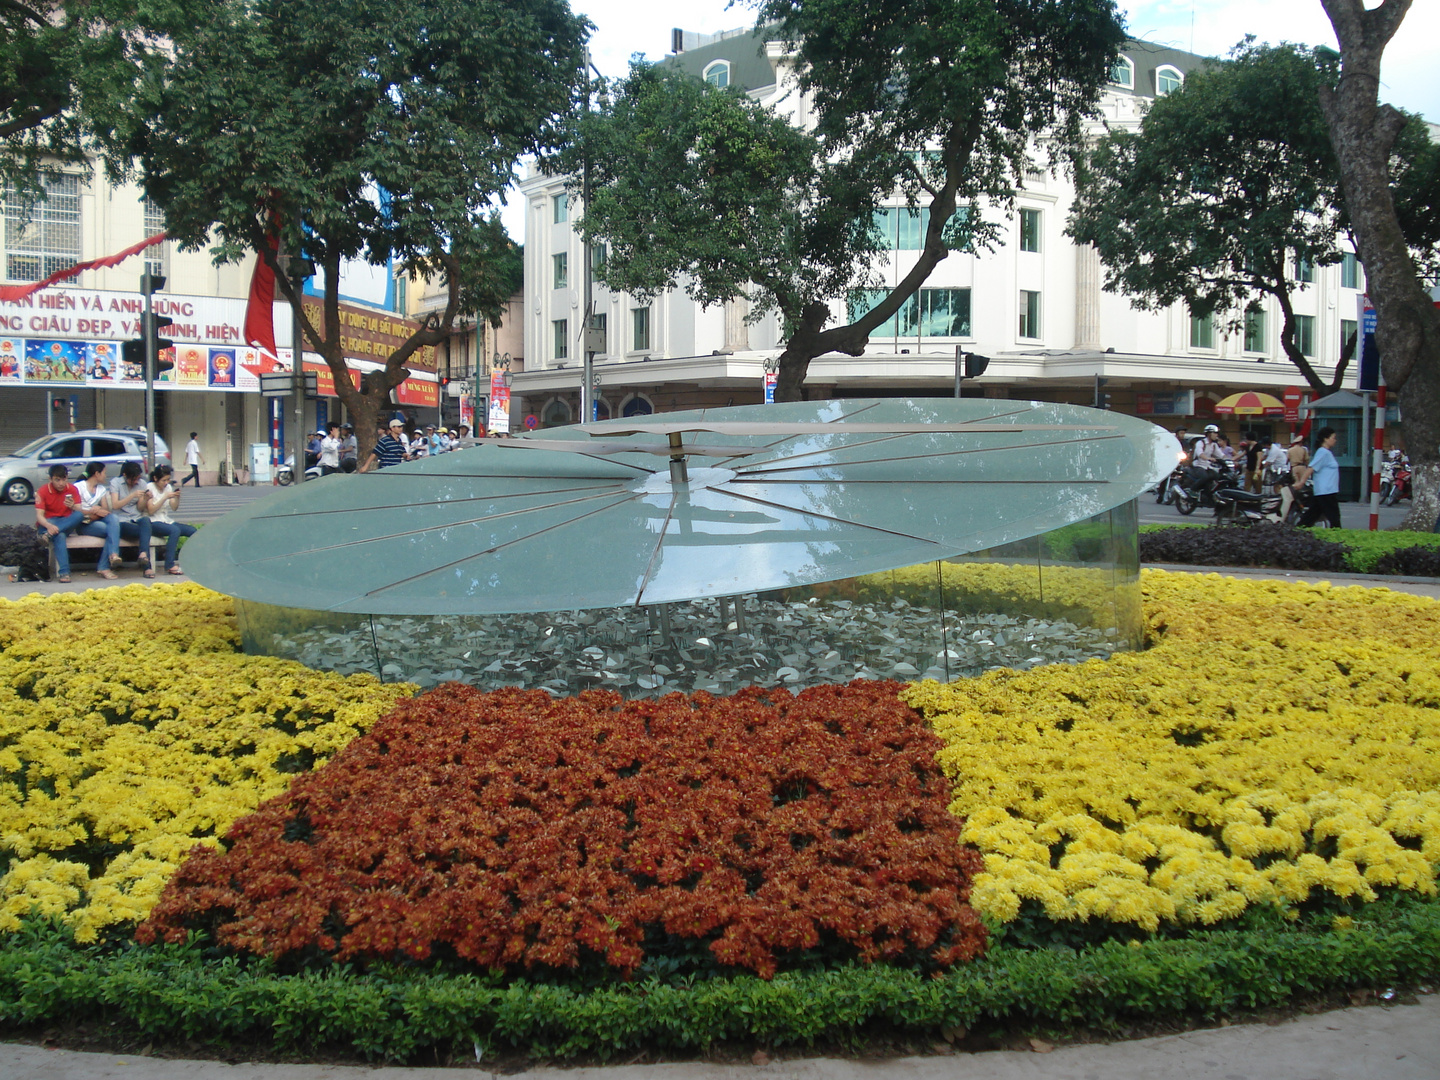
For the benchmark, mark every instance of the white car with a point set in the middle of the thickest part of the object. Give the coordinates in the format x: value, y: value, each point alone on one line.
x: 29, y: 467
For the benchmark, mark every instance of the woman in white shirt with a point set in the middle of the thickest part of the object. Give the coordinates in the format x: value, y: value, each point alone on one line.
x: 98, y: 519
x: 164, y: 500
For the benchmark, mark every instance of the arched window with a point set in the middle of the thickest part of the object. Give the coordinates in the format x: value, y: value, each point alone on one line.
x: 1123, y: 73
x: 1167, y: 79
x: 717, y: 73
x: 637, y: 406
x: 555, y: 414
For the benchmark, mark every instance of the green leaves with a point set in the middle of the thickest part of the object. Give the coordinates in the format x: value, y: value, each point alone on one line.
x: 273, y: 109
x: 939, y: 102
x: 397, y: 1014
x: 1230, y: 182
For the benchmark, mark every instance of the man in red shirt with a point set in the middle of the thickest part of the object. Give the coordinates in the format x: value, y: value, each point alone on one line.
x: 57, y: 514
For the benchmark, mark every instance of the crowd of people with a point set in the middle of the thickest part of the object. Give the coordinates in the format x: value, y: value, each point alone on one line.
x: 125, y: 507
x: 393, y: 445
x: 1276, y: 467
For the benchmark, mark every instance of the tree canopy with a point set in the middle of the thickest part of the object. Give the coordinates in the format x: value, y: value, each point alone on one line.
x: 1227, y: 188
x: 940, y: 102
x: 70, y: 67
x: 378, y: 130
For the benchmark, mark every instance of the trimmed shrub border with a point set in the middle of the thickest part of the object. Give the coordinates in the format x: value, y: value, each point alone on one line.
x: 175, y: 992
x: 1412, y: 554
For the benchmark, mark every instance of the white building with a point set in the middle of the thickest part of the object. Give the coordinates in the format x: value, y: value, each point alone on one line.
x: 1034, y: 305
x: 59, y: 347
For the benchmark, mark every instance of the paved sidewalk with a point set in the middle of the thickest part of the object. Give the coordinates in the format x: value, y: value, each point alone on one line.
x: 1395, y: 1043
x: 199, y: 508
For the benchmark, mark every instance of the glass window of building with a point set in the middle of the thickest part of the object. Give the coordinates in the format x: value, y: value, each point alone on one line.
x: 1029, y: 230
x: 717, y: 73
x: 1305, y: 334
x: 1123, y: 73
x: 637, y: 406
x: 560, y: 331
x: 1348, y: 328
x: 42, y: 236
x: 1029, y: 314
x: 1349, y: 271
x: 562, y: 270
x: 1167, y: 80
x: 1202, y: 331
x: 1255, y: 330
x: 155, y: 257
x: 639, y: 329
x: 598, y: 254
x: 929, y: 313
x: 560, y: 209
x: 1304, y: 269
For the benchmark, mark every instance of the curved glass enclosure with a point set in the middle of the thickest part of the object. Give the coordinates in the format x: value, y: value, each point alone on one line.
x: 790, y: 544
x: 1066, y: 596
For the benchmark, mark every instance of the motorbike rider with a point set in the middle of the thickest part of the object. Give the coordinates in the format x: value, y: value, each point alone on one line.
x: 1276, y: 466
x: 1162, y: 490
x: 1211, y: 451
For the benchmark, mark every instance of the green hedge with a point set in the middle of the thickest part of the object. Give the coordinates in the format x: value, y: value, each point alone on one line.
x: 1364, y: 549
x: 177, y: 993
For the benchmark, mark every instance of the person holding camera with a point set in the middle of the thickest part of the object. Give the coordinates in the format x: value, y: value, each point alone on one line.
x: 163, y: 499
x: 130, y: 503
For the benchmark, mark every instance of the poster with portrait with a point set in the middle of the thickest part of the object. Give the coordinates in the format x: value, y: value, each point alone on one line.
x: 103, y: 366
x: 222, y: 369
x: 12, y: 360
x: 49, y: 361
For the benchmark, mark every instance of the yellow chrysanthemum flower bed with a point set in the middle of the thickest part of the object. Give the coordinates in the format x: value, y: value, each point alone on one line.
x: 130, y: 730
x: 1278, y: 743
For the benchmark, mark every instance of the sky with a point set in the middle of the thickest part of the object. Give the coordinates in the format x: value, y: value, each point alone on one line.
x: 1208, y: 27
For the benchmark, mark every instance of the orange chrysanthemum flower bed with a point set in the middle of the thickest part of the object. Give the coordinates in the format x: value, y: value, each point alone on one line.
x: 521, y: 831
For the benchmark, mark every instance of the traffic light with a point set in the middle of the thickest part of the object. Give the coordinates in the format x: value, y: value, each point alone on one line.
x: 59, y: 405
x: 162, y: 345
x: 1102, y: 398
x: 133, y: 351
x: 975, y: 365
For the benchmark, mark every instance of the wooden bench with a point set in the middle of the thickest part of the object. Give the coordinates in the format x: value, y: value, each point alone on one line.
x: 80, y: 543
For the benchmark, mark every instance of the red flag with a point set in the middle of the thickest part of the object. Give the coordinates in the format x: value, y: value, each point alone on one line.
x: 20, y: 292
x: 260, y: 311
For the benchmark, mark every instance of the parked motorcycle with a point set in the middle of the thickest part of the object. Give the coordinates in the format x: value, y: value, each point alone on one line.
x: 1240, y: 507
x: 1399, y: 485
x: 285, y: 472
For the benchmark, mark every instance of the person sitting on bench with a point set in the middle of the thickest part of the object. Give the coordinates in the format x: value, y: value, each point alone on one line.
x: 57, y: 516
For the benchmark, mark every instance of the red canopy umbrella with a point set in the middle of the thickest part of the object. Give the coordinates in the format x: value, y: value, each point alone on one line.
x: 1250, y: 404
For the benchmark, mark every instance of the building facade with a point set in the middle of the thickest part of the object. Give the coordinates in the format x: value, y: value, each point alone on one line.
x: 1035, y: 304
x: 61, y: 361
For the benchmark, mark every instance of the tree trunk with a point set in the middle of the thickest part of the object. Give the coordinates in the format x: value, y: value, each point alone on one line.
x: 1407, y: 329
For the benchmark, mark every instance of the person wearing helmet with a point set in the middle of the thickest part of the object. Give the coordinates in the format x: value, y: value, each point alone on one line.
x: 1211, y: 451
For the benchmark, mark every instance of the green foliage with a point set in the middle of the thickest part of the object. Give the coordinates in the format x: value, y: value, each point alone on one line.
x: 688, y: 178
x: 1357, y: 551
x: 939, y: 102
x: 386, y: 127
x: 68, y: 70
x: 181, y: 992
x: 1229, y: 180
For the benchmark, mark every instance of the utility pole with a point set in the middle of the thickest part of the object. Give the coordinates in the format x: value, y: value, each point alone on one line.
x: 297, y: 269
